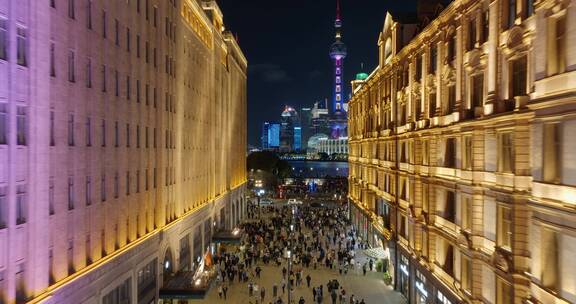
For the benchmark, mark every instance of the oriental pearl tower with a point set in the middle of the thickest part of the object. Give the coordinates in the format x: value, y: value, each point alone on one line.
x: 338, y: 54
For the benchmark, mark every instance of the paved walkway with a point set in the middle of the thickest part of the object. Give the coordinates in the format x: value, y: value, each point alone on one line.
x: 370, y: 287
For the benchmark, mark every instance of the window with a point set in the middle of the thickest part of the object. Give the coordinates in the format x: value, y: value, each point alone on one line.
x: 71, y: 130
x: 146, y: 180
x: 432, y: 104
x: 466, y: 212
x: 528, y: 8
x: 103, y: 188
x: 116, y: 84
x: 432, y: 64
x: 88, y: 190
x: 71, y: 9
x: 88, y: 132
x: 467, y: 152
x: 477, y: 91
x: 137, y: 181
x: 128, y: 39
x: 70, y: 193
x: 128, y: 87
x: 51, y: 196
x: 103, y: 78
x: 485, y: 26
x: 451, y: 99
x: 3, y: 206
x: 128, y: 135
x: 103, y: 131
x: 552, y: 160
x: 21, y: 204
x: 506, y: 152
x: 418, y: 67
x: 557, y: 45
x: 70, y: 257
x: 21, y: 126
x: 71, y: 68
x: 449, y: 212
x: 451, y: 51
x: 450, y: 153
x: 21, y: 47
x: 511, y: 13
x: 116, y: 186
x: 117, y: 32
x: 104, y: 28
x: 471, y: 34
x: 147, y: 52
x: 137, y: 136
x: 550, y: 259
x: 89, y: 14
x: 127, y: 182
x: 138, y: 91
x: 425, y: 153
x: 3, y: 124
x: 137, y: 46
x: 146, y: 137
x: 448, y: 263
x: 52, y: 59
x: 466, y: 275
x: 504, y: 292
x: 155, y: 21
x: 116, y: 135
x: 119, y: 295
x: 89, y: 73
x: 504, y: 238
x: 518, y: 75
x: 52, y: 129
x: 3, y: 39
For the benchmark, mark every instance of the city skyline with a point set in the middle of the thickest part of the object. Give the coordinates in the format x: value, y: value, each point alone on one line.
x: 297, y: 70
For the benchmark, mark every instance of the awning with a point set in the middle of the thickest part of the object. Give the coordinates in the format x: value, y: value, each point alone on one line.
x: 181, y: 287
x: 228, y: 236
x: 377, y: 253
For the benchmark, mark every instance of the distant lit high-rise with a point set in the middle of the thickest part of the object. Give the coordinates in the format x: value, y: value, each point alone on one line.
x: 270, y: 136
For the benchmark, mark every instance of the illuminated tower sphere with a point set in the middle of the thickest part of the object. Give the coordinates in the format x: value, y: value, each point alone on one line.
x: 338, y: 53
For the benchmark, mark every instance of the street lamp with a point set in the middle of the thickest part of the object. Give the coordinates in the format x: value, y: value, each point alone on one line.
x: 289, y: 271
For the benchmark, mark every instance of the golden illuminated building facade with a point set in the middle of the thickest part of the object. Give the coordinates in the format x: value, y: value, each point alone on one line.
x: 462, y: 153
x: 122, y: 145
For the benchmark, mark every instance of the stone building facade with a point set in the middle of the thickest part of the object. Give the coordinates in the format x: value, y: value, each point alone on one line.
x: 122, y: 145
x: 461, y: 158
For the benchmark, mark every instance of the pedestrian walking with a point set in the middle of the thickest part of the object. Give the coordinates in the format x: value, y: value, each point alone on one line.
x: 308, y: 279
x: 220, y: 291
x: 275, y: 290
x: 301, y: 301
x: 364, y: 269
x: 225, y: 291
x: 262, y: 293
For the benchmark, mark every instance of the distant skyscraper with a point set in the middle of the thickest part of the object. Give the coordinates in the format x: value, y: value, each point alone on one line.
x: 270, y: 135
x: 274, y: 135
x: 297, y: 139
x: 290, y: 121
x: 338, y: 54
x: 264, y: 137
x: 306, y: 122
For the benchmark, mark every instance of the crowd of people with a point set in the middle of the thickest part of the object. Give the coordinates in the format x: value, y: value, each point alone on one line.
x: 298, y: 240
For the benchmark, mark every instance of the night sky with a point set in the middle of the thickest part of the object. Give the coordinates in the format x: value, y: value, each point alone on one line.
x: 287, y: 42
